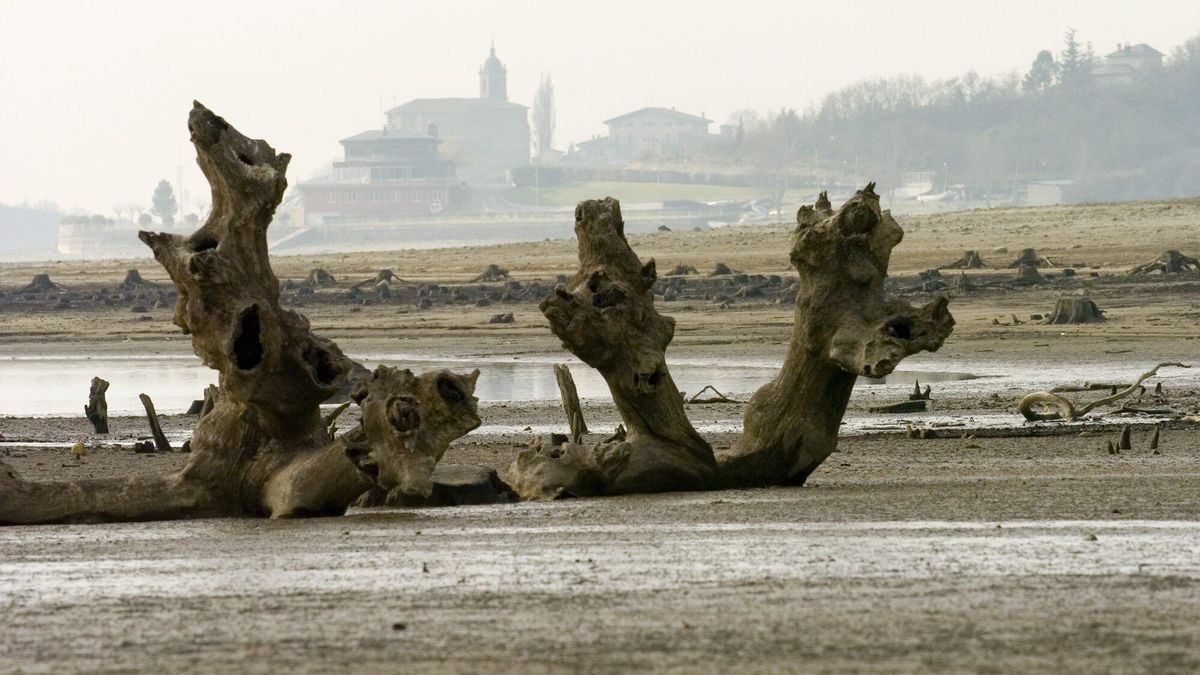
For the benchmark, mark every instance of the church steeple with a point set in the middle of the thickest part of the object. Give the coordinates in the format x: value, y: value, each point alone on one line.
x: 493, y: 78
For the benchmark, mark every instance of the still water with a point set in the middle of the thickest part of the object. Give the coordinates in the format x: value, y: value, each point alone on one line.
x: 54, y: 386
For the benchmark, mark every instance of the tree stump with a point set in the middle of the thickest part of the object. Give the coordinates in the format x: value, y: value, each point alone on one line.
x: 1169, y: 262
x: 682, y: 270
x: 96, y: 409
x: 133, y: 281
x: 969, y: 261
x: 492, y: 273
x: 1075, y: 310
x: 570, y: 401
x: 721, y: 269
x: 41, y: 284
x: 319, y: 277
x: 1030, y: 258
x: 1028, y: 275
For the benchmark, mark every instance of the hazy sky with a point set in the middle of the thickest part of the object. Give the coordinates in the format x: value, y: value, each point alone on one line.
x: 94, y: 95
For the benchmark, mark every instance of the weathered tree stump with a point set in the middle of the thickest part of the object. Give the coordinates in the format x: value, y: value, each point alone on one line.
x: 491, y: 273
x: 160, y: 439
x: 845, y: 327
x: 969, y: 261
x: 682, y: 270
x: 263, y: 449
x: 1030, y: 258
x: 1075, y: 310
x: 96, y: 409
x: 1169, y: 262
x: 319, y: 277
x: 133, y: 281
x: 721, y: 269
x: 41, y: 284
x: 1028, y: 275
x: 570, y: 401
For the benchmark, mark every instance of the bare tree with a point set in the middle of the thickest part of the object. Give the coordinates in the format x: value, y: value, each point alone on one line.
x: 544, y: 115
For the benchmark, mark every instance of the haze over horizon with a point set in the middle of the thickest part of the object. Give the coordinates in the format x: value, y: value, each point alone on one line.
x: 96, y: 96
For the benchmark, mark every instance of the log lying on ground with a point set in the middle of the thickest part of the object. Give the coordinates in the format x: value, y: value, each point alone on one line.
x: 263, y: 450
x: 491, y: 273
x: 96, y: 409
x: 844, y: 327
x: 41, y: 284
x: 1169, y: 262
x: 1075, y: 310
x: 1045, y: 405
x: 969, y: 261
x: 1031, y: 258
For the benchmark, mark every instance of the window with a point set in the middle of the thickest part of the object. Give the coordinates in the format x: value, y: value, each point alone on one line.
x: 373, y: 196
x: 332, y: 197
x: 397, y: 196
x: 416, y: 195
x: 351, y: 197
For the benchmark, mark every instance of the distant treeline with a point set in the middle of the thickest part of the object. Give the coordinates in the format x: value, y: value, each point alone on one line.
x: 1138, y: 140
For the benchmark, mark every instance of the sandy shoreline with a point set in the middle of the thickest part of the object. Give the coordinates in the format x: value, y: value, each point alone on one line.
x: 952, y: 554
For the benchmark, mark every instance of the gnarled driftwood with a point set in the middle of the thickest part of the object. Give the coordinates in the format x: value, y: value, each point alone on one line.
x: 844, y: 327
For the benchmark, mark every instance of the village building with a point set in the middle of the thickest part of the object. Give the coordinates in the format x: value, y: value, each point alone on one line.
x: 425, y: 158
x: 1128, y: 63
x: 385, y: 174
x: 486, y: 137
x: 646, y: 133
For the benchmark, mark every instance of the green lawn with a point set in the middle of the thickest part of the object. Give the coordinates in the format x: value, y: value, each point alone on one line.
x: 633, y: 193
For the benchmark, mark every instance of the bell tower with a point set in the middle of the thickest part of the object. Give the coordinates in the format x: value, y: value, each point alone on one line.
x: 493, y: 78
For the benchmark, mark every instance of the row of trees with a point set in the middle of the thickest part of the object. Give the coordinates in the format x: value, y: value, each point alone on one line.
x: 995, y: 133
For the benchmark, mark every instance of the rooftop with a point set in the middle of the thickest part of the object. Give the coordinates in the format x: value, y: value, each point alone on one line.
x: 381, y: 134
x: 1140, y: 49
x: 670, y: 112
x: 455, y: 105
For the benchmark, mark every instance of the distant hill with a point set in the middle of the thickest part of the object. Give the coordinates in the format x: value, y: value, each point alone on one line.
x: 27, y: 233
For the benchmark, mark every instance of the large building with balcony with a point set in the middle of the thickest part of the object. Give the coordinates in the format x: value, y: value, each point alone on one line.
x: 385, y: 174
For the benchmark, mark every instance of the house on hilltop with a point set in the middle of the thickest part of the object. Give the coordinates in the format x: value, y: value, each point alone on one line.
x: 1124, y: 66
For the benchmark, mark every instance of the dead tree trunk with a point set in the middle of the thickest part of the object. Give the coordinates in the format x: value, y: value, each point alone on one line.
x: 160, y: 439
x: 96, y: 408
x: 605, y: 315
x: 845, y: 327
x: 263, y: 450
x: 1075, y: 310
x: 570, y: 401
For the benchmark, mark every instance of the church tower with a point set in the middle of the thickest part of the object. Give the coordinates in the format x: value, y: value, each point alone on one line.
x: 493, y: 78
